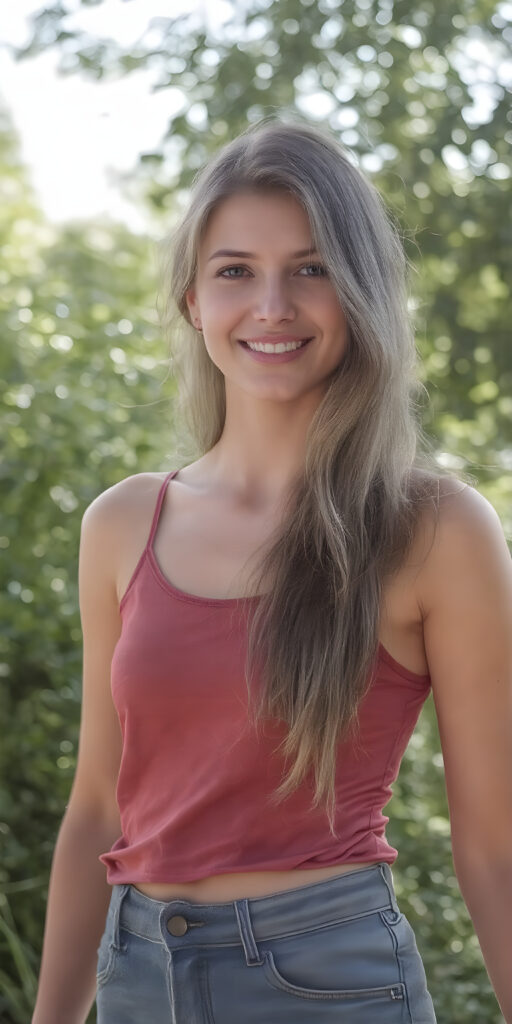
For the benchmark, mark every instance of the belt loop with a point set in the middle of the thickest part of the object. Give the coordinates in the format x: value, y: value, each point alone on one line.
x: 252, y: 953
x: 119, y: 891
x: 387, y: 878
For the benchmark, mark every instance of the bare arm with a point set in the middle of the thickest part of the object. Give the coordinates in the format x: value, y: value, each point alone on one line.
x: 78, y: 899
x: 78, y: 894
x: 466, y: 596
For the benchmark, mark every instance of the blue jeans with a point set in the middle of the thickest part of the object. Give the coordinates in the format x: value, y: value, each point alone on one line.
x: 336, y: 950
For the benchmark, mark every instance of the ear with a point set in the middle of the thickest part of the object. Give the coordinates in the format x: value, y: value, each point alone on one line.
x: 193, y: 307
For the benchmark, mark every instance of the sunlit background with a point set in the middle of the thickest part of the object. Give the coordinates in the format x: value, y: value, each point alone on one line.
x: 104, y: 122
x: 78, y: 134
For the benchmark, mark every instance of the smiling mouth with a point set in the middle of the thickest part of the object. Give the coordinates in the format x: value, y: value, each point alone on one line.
x: 274, y: 346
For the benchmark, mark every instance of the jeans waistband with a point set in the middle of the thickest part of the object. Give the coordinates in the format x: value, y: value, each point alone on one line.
x: 342, y: 897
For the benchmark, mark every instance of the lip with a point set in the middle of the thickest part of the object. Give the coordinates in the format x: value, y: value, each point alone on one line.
x: 274, y: 339
x: 275, y: 357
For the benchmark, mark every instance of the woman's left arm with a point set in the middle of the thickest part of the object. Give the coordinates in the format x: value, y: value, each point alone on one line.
x: 465, y: 592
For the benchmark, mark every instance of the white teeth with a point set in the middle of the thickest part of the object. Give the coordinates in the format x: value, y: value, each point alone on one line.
x: 258, y: 346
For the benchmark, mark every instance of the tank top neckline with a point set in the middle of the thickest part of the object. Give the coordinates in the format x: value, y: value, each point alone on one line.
x: 228, y: 602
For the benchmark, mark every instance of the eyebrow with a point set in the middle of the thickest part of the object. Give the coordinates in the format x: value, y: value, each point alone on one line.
x: 252, y: 256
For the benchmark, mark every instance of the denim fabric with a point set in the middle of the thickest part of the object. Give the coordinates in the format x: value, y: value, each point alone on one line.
x: 337, y: 950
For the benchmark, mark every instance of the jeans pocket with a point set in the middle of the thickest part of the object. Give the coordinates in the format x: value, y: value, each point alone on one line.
x: 373, y: 994
x: 350, y: 966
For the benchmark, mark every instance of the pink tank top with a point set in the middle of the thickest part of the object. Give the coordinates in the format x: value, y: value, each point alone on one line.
x: 194, y: 779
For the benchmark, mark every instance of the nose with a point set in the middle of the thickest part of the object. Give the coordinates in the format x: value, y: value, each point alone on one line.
x: 273, y: 301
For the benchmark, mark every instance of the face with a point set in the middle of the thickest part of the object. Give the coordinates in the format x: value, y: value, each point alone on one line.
x: 272, y: 287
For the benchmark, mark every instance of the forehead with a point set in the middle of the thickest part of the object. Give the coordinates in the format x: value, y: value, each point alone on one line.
x: 257, y: 212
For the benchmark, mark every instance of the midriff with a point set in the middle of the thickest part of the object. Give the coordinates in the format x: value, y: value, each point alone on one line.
x: 242, y: 885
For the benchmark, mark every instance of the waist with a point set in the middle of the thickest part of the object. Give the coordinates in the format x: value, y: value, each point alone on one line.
x: 351, y: 894
x: 243, y: 885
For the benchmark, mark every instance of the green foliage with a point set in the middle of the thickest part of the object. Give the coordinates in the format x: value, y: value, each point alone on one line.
x: 82, y: 408
x: 83, y: 404
x: 418, y: 92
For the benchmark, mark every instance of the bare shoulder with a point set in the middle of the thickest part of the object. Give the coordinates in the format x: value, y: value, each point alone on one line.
x: 118, y: 522
x: 126, y: 497
x: 461, y: 501
x: 464, y: 512
x: 467, y: 542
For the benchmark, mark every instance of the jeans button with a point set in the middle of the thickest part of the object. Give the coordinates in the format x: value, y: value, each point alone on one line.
x: 177, y: 925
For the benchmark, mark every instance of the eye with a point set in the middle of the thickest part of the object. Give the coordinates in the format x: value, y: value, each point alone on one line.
x: 225, y: 270
x: 317, y: 266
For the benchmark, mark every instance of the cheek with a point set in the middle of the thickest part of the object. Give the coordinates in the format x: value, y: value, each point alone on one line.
x: 221, y: 307
x: 324, y: 303
x: 336, y: 317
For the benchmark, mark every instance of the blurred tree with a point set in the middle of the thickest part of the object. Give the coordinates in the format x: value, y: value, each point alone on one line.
x: 418, y: 95
x: 418, y: 92
x: 81, y: 409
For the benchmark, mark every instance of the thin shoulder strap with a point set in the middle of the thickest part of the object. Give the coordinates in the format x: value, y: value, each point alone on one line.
x: 158, y: 506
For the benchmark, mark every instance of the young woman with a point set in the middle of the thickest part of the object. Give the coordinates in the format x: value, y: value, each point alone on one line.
x: 272, y: 616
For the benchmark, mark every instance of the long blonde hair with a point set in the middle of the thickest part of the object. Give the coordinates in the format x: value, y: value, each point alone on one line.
x: 351, y: 517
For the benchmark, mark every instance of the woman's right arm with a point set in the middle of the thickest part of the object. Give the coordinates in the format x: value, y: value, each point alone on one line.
x: 78, y: 894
